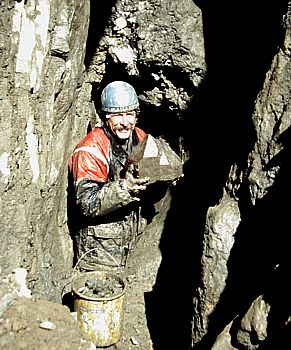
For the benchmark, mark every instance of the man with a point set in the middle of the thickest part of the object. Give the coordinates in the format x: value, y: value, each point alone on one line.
x: 107, y: 197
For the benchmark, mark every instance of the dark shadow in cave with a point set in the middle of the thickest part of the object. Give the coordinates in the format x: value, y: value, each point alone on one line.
x: 240, y: 41
x: 260, y: 262
x: 162, y: 120
x: 169, y: 305
x: 73, y: 219
x: 99, y: 15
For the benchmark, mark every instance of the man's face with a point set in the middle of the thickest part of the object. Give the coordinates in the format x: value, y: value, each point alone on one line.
x: 121, y: 124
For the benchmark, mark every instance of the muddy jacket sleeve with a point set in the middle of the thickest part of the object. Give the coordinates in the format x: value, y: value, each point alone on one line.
x: 96, y: 199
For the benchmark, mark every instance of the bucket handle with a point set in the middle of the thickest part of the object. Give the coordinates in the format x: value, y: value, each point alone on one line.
x: 95, y: 249
x: 82, y: 256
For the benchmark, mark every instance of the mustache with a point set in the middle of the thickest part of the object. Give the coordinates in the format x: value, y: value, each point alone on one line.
x: 120, y: 127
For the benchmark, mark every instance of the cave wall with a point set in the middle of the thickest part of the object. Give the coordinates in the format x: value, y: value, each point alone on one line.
x: 42, y: 65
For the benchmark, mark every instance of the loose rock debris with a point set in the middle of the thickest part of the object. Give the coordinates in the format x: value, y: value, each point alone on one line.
x: 106, y: 288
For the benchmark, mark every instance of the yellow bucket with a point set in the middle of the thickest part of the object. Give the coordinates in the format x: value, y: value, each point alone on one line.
x: 99, y: 317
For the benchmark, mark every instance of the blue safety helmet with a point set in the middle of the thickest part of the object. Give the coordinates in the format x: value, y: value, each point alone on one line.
x: 119, y: 96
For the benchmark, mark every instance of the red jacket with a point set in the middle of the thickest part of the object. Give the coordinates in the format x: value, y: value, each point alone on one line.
x: 91, y: 157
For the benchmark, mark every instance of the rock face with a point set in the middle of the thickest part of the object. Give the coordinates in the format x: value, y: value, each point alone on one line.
x: 214, y: 82
x: 43, y: 48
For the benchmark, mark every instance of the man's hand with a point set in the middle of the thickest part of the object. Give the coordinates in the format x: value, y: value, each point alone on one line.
x: 135, y: 184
